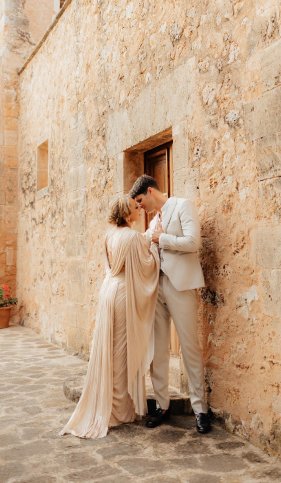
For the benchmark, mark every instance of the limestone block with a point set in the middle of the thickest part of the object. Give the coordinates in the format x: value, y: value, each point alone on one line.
x: 268, y: 155
x: 271, y: 282
x: 159, y: 106
x: 10, y: 138
x: 77, y: 178
x: 119, y: 175
x: 10, y: 259
x: 263, y: 116
x: 78, y: 340
x: 270, y: 68
x: 10, y: 218
x: 269, y: 207
x: 75, y: 222
x: 76, y: 291
x: 267, y: 242
x: 186, y: 182
x: 10, y: 156
x: 76, y: 270
x: 11, y: 123
x: 180, y: 148
x: 75, y: 245
x: 70, y: 314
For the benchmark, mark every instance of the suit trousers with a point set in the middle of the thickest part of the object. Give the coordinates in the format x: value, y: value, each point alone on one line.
x: 182, y: 307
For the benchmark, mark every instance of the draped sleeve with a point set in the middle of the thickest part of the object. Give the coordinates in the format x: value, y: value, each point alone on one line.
x: 142, y: 276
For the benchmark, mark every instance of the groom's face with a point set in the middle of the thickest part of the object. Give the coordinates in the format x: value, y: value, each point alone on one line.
x: 146, y: 200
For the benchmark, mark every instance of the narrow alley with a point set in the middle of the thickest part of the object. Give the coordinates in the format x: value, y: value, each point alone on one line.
x: 34, y: 409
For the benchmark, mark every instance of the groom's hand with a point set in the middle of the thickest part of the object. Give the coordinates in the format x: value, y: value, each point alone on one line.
x: 156, y: 234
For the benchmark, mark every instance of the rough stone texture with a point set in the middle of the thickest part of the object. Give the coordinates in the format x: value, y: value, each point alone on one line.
x: 207, y: 76
x: 33, y: 409
x: 22, y: 25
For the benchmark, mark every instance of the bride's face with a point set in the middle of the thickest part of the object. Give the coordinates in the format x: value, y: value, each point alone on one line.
x: 135, y: 210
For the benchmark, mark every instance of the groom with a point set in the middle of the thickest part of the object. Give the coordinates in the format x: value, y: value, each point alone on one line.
x: 176, y: 230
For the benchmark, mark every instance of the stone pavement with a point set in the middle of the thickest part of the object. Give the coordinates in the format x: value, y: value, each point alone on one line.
x: 33, y: 409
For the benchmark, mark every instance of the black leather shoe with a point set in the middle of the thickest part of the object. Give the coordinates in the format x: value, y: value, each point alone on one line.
x: 159, y: 416
x: 203, y: 423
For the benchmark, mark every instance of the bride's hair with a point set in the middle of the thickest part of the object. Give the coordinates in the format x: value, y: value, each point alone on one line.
x: 119, y: 210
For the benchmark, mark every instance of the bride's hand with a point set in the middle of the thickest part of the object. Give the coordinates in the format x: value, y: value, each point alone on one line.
x: 156, y: 234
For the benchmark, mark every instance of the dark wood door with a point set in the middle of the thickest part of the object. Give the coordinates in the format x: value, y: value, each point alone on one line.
x: 157, y: 163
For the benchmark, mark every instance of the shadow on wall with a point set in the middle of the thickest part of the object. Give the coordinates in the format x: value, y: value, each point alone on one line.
x: 211, y: 297
x: 210, y: 264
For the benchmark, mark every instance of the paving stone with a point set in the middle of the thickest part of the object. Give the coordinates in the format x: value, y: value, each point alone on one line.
x: 81, y: 459
x: 19, y: 380
x: 228, y: 445
x: 205, y: 479
x: 193, y: 447
x: 143, y: 467
x: 119, y: 479
x: 30, y: 433
x: 222, y: 463
x: 133, y: 431
x: 253, y: 457
x: 273, y: 474
x: 113, y: 451
x: 164, y: 479
x: 8, y: 439
x: 39, y: 479
x: 11, y: 471
x: 31, y: 451
x: 24, y: 451
x: 33, y: 410
x: 166, y: 436
x: 186, y: 463
x: 182, y: 422
x: 94, y: 474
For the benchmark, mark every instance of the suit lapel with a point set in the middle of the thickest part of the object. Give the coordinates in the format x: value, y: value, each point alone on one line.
x: 168, y: 213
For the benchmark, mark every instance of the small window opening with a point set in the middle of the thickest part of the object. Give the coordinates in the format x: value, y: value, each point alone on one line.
x: 42, y: 165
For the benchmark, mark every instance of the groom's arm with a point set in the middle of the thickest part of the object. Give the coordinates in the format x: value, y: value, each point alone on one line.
x: 149, y: 232
x: 189, y: 241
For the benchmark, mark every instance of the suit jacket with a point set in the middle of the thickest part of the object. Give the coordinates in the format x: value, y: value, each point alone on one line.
x: 179, y: 244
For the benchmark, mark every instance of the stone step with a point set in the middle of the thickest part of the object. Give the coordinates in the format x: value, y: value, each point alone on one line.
x: 180, y: 403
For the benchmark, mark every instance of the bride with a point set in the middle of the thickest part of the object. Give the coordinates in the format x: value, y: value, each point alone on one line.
x: 122, y: 348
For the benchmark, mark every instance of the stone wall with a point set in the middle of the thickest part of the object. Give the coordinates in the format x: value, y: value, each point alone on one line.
x: 101, y: 92
x: 20, y: 29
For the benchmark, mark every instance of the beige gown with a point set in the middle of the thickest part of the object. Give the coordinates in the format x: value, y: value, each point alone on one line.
x: 122, y: 347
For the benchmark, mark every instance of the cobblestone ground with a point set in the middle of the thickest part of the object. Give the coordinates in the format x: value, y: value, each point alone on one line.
x: 34, y: 409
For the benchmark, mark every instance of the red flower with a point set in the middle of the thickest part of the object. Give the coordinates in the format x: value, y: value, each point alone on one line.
x: 6, y: 290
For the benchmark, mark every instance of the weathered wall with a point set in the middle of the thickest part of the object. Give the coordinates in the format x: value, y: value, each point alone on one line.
x: 207, y: 75
x: 20, y: 29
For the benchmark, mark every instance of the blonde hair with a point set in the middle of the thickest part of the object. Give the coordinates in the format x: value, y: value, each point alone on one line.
x: 119, y: 210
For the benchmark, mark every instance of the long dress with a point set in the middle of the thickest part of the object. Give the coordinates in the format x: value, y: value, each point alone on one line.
x: 122, y: 347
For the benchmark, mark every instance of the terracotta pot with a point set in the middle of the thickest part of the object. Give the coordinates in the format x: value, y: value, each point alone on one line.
x: 4, y: 317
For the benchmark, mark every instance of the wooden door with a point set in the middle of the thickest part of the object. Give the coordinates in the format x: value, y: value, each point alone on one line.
x: 158, y: 164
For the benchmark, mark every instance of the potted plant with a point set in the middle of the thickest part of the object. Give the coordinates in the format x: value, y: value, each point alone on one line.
x: 6, y: 303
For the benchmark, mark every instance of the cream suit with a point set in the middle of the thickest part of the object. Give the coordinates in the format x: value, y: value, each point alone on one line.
x: 180, y: 274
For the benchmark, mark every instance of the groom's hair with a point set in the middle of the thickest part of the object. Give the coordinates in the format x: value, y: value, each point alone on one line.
x: 142, y: 184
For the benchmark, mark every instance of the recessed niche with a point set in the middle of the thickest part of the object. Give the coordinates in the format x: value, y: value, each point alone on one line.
x: 42, y: 165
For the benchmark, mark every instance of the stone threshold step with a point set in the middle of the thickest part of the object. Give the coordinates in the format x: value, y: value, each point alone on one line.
x: 179, y: 403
